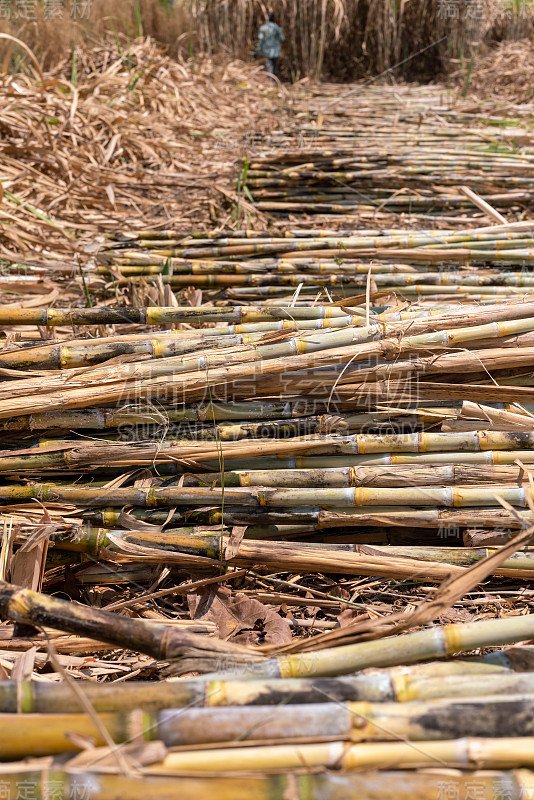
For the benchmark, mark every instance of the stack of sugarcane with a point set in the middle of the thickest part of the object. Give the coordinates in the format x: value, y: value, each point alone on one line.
x: 291, y: 453
x: 384, y: 430
x: 484, y: 265
x: 397, y: 153
x: 265, y: 451
x: 319, y: 722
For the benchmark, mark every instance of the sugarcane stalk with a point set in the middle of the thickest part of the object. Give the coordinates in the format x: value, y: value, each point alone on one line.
x: 448, y: 496
x: 468, y: 680
x: 103, y: 418
x: 464, y: 556
x: 154, y: 315
x: 277, y: 555
x: 463, y: 753
x: 361, y: 476
x: 437, y: 642
x: 355, y: 721
x: 73, y: 455
x: 155, y: 639
x: 388, y: 784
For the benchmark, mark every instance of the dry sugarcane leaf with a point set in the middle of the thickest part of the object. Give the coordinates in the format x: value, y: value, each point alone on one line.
x: 45, y: 527
x: 447, y: 593
x: 170, y: 298
x: 120, y: 480
x: 24, y: 665
x: 349, y: 616
x: 192, y: 296
x: 131, y: 523
x: 28, y: 563
x: 238, y: 617
x: 144, y: 479
x: 139, y: 754
x: 234, y: 541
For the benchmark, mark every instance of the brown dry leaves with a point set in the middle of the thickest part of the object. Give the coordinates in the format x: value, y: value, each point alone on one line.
x: 135, y: 142
x: 239, y: 617
x: 504, y: 73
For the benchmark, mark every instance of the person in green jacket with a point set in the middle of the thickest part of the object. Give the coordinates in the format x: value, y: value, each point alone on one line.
x: 270, y: 38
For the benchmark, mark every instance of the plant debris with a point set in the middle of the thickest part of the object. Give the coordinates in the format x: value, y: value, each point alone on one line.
x: 266, y: 485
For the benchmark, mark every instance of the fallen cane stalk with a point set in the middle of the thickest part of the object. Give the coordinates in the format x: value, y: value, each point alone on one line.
x: 456, y: 753
x: 163, y: 642
x: 467, y: 679
x: 436, y: 642
x: 388, y: 784
x: 154, y: 639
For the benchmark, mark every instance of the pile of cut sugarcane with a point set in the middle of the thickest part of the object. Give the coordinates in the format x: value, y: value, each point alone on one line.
x: 243, y: 443
x: 484, y: 265
x: 267, y: 498
x: 363, y: 159
x: 257, y: 416
x: 403, y: 150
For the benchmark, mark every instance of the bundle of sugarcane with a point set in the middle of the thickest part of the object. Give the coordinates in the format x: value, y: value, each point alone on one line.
x: 292, y: 361
x: 417, y: 721
x: 295, y: 471
x: 419, y: 266
x: 388, y: 156
x: 350, y: 527
x: 361, y: 718
x: 183, y: 546
x: 179, y: 469
x: 506, y: 243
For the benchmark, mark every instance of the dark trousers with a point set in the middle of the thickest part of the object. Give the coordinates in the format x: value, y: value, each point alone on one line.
x: 271, y: 66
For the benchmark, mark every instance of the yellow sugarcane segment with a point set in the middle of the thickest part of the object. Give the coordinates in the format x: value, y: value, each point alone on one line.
x: 20, y: 604
x: 361, y: 721
x: 403, y: 687
x: 258, y: 758
x: 159, y: 348
x: 216, y: 694
x: 402, y: 754
x: 39, y: 734
x: 25, y: 696
x: 245, y: 479
x: 452, y: 636
x: 300, y: 665
x: 110, y: 517
x: 154, y: 315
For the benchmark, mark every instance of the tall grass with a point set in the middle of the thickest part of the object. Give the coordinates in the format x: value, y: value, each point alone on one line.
x: 346, y: 39
x: 54, y: 27
x: 333, y: 39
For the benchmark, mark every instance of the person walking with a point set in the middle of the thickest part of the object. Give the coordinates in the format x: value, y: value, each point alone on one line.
x: 270, y: 38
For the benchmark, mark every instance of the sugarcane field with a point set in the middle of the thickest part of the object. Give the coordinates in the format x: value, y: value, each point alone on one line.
x: 267, y: 400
